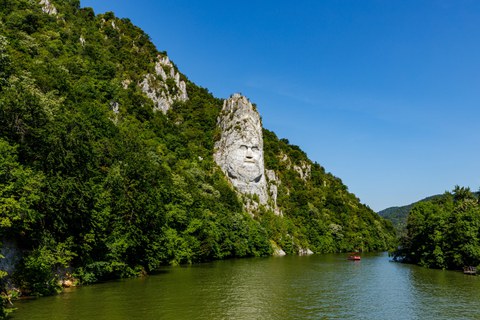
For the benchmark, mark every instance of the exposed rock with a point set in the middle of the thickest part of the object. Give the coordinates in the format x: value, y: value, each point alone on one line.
x: 239, y: 152
x: 126, y: 83
x: 65, y: 277
x: 277, y: 251
x: 115, y: 107
x: 11, y: 256
x: 285, y: 159
x: 304, y: 252
x: 273, y: 183
x: 161, y: 89
x: 273, y: 193
x: 82, y: 41
x: 67, y: 283
x: 48, y: 7
x: 271, y: 175
x: 303, y: 170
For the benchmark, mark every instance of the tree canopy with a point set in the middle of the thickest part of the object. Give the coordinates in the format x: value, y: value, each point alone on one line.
x: 443, y: 232
x: 97, y: 185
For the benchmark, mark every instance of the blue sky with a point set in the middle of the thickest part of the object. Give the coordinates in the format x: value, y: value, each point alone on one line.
x: 385, y: 94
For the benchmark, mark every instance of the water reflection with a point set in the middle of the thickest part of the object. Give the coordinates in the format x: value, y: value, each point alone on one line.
x: 314, y: 287
x: 446, y: 294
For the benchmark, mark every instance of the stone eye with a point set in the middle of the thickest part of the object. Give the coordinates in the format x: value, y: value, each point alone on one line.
x: 243, y: 147
x: 255, y: 149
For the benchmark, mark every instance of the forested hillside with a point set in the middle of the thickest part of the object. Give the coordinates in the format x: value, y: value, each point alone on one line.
x: 443, y: 232
x: 398, y: 215
x: 98, y: 182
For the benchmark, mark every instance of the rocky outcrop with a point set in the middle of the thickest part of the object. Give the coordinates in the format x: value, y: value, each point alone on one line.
x: 239, y: 152
x: 48, y: 7
x: 11, y: 254
x: 273, y: 183
x: 82, y: 41
x: 303, y: 170
x: 304, y: 252
x: 164, y: 87
x: 277, y: 251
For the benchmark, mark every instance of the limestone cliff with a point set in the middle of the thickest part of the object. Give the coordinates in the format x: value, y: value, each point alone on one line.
x: 239, y: 151
x: 164, y: 87
x: 147, y: 177
x: 48, y: 7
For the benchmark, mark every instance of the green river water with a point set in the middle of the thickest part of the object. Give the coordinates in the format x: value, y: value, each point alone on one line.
x: 309, y: 287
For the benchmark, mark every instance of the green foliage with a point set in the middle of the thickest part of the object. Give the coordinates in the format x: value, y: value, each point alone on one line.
x: 4, y: 298
x: 398, y: 215
x: 38, y: 270
x: 94, y: 181
x: 320, y: 213
x: 443, y: 232
x: 19, y: 192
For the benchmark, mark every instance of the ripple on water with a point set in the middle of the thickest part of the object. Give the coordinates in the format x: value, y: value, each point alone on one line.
x: 313, y: 287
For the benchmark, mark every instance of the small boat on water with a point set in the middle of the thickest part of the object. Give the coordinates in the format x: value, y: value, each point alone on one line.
x: 353, y: 256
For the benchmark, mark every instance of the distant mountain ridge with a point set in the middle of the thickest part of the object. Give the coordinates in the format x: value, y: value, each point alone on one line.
x: 398, y: 215
x: 443, y: 233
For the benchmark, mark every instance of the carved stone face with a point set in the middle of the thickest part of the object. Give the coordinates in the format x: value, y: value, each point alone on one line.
x: 239, y: 151
x: 245, y: 160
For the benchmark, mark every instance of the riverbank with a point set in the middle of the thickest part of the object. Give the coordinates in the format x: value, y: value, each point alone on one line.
x: 291, y: 287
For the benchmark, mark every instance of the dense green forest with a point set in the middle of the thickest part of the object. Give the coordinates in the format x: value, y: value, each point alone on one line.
x: 443, y: 232
x: 96, y: 185
x: 398, y: 215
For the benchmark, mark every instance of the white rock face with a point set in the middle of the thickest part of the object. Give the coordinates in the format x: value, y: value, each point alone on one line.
x: 82, y: 41
x: 239, y: 152
x: 48, y: 8
x: 304, y: 252
x: 273, y: 182
x: 277, y: 252
x: 303, y: 170
x: 160, y: 90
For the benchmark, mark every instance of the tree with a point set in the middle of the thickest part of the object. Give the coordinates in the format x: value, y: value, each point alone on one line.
x: 443, y: 232
x: 20, y: 191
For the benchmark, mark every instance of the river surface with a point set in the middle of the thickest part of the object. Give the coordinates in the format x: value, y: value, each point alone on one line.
x: 309, y: 287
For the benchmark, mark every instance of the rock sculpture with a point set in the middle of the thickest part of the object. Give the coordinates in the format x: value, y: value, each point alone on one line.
x: 239, y: 152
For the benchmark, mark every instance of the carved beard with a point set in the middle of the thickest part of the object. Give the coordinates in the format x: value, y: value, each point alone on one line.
x: 242, y: 167
x: 245, y: 172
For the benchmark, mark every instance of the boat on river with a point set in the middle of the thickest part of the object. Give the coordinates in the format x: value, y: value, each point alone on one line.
x: 353, y: 256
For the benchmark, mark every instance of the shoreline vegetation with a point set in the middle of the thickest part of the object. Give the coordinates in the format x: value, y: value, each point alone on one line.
x: 443, y: 233
x: 107, y: 170
x: 98, y: 183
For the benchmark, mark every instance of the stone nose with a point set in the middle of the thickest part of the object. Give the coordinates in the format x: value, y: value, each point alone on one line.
x: 249, y: 153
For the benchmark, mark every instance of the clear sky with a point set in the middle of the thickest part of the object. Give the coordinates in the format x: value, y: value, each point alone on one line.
x: 385, y: 94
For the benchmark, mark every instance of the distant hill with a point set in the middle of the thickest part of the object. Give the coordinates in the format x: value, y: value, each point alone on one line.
x: 443, y: 233
x: 398, y: 215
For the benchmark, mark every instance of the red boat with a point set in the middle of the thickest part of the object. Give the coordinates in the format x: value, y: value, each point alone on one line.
x: 353, y: 257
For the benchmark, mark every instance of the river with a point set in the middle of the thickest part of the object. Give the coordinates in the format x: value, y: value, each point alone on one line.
x: 292, y: 287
